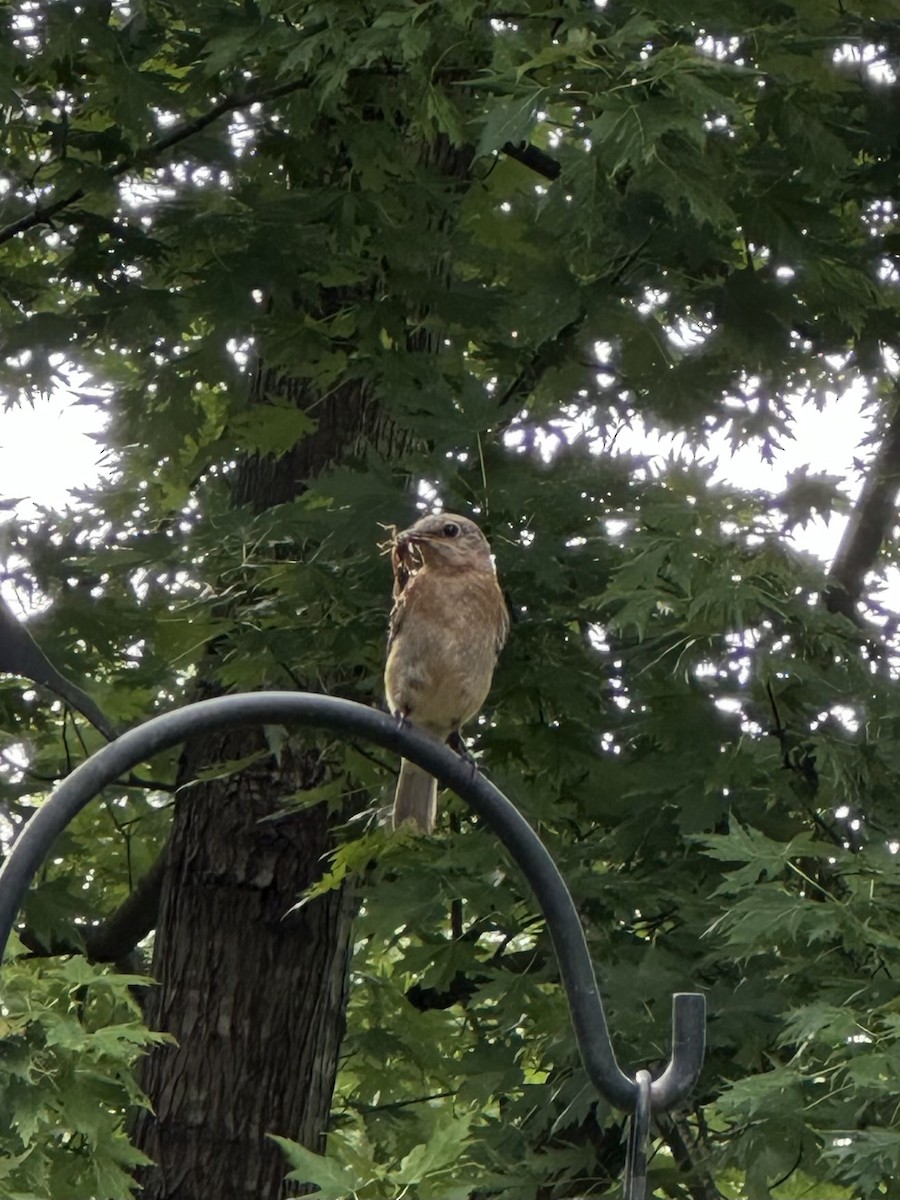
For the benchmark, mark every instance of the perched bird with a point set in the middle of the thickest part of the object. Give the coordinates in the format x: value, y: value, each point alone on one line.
x: 448, y: 625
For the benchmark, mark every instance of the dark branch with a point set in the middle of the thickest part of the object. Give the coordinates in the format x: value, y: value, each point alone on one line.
x: 551, y: 352
x: 357, y: 1106
x: 462, y: 987
x: 21, y: 655
x: 557, y: 349
x: 131, y: 780
x: 187, y: 129
x: 699, y: 1184
x: 869, y: 525
x: 530, y: 156
x: 114, y: 939
x: 44, y: 214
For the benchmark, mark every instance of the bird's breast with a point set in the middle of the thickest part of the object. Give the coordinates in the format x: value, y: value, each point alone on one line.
x: 442, y: 659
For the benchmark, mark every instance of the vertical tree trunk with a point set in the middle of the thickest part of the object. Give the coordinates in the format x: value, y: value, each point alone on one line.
x: 252, y: 993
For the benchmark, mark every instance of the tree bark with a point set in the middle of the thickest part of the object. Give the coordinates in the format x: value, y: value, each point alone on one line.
x: 252, y: 993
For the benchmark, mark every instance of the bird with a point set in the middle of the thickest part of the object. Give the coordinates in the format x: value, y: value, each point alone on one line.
x: 448, y: 625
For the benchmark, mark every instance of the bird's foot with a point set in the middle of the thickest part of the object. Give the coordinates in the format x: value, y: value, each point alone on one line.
x: 402, y: 719
x: 456, y: 742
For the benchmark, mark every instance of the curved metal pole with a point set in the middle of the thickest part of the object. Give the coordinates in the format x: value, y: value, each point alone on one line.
x: 348, y: 718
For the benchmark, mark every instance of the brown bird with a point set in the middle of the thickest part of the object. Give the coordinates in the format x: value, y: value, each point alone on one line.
x: 448, y: 625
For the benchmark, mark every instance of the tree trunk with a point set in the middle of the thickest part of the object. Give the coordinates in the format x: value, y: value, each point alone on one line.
x: 252, y: 993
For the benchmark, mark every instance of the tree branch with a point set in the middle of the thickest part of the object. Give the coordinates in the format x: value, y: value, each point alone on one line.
x: 21, y: 655
x: 867, y: 528
x: 558, y: 348
x: 116, y: 936
x: 699, y: 1184
x: 44, y: 214
x: 130, y: 780
x: 530, y: 156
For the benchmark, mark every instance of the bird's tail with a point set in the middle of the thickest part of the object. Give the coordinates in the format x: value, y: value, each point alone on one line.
x: 416, y: 797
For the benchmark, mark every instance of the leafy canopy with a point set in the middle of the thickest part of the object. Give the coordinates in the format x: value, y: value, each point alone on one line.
x: 709, y: 752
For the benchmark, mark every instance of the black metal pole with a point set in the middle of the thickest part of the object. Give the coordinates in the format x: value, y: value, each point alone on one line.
x: 355, y: 720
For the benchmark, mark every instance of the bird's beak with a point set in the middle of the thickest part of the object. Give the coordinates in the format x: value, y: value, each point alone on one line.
x: 410, y: 538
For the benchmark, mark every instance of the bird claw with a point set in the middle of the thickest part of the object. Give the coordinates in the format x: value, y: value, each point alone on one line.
x: 455, y: 742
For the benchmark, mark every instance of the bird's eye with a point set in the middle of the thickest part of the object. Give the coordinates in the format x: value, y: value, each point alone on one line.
x: 451, y: 529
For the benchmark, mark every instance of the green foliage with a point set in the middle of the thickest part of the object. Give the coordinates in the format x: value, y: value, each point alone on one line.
x: 315, y: 185
x: 440, y: 1163
x: 71, y: 1033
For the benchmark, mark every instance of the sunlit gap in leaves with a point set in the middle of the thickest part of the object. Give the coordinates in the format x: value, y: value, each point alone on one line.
x: 139, y: 194
x: 823, y: 441
x: 18, y: 588
x: 26, y: 23
x: 66, y: 426
x: 820, y: 439
x: 817, y: 441
x: 870, y: 59
x: 29, y: 18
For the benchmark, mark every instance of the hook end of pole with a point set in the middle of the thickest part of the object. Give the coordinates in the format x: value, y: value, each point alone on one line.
x: 688, y: 1047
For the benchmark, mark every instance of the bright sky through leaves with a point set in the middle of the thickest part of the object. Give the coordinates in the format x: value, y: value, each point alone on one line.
x: 49, y: 451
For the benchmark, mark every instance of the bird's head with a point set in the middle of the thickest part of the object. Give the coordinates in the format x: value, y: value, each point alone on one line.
x: 446, y: 540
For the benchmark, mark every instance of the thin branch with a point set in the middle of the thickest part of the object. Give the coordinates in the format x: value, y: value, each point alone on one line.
x: 357, y: 1106
x: 530, y: 156
x: 114, y: 938
x: 804, y: 768
x: 786, y: 1177
x: 131, y: 780
x: 869, y: 524
x: 187, y: 129
x: 548, y: 354
x: 44, y: 214
x: 559, y: 347
x: 699, y: 1184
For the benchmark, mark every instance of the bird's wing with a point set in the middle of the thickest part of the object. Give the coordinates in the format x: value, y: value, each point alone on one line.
x: 396, y: 619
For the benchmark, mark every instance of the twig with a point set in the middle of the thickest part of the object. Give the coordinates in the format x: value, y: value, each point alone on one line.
x: 44, y: 214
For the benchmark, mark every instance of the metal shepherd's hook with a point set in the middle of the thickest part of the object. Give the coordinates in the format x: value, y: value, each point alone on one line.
x: 640, y: 1096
